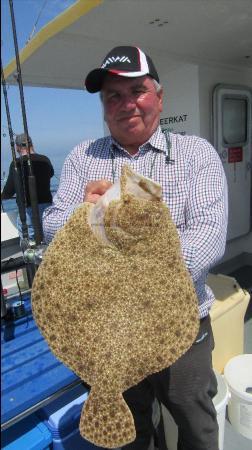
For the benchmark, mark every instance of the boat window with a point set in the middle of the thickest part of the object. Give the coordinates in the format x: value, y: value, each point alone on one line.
x: 234, y: 120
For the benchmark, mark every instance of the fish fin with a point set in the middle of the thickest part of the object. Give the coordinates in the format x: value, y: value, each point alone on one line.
x: 106, y: 420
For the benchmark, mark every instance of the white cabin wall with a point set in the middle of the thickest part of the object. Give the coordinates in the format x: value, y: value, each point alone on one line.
x: 181, y: 95
x: 208, y: 78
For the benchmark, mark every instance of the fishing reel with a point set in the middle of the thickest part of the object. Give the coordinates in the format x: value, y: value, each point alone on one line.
x: 33, y: 254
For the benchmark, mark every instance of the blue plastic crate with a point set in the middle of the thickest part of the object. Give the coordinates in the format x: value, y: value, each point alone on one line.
x: 28, y: 434
x: 30, y: 371
x: 62, y: 418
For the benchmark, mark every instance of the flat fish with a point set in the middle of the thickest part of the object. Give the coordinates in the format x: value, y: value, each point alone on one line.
x: 114, y: 300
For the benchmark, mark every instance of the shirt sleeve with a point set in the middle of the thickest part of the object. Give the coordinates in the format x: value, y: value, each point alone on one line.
x: 67, y: 198
x: 204, y: 238
x: 9, y: 188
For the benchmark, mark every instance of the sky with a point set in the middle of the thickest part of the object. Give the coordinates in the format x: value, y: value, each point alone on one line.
x: 58, y: 119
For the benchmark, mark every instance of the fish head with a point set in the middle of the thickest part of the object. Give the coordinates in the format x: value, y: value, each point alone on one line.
x: 137, y: 214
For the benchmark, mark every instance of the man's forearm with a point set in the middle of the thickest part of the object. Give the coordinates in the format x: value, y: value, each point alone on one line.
x: 55, y: 218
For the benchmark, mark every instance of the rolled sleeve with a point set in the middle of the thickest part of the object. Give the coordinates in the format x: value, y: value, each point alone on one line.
x: 67, y: 199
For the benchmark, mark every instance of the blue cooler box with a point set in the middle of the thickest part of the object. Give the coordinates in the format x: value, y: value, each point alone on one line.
x: 28, y: 434
x: 62, y: 418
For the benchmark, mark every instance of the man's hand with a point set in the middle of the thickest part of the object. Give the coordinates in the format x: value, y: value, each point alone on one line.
x: 95, y: 189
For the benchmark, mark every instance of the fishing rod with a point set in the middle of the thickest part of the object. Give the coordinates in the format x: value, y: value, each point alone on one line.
x: 18, y: 182
x: 31, y: 178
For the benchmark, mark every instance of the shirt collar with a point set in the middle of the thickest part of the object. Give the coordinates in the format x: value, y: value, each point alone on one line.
x: 156, y: 141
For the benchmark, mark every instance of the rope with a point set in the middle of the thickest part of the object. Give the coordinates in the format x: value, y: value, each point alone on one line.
x: 36, y: 22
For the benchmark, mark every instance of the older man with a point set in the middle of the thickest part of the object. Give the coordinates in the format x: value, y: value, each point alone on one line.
x: 194, y: 188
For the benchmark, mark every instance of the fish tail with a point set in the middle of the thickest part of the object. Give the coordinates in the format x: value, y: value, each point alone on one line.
x: 106, y: 420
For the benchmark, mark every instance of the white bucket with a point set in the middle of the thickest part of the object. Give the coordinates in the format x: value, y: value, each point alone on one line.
x: 238, y: 374
x: 220, y: 402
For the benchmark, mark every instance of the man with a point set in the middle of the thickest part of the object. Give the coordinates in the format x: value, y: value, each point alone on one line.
x: 194, y: 188
x: 43, y: 172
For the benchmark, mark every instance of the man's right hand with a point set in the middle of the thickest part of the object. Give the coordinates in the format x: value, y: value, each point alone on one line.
x: 95, y: 189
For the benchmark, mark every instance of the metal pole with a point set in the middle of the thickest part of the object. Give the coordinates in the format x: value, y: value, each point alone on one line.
x: 31, y: 179
x: 19, y: 186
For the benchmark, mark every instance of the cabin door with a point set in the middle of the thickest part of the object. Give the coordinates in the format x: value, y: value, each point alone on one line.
x: 232, y: 135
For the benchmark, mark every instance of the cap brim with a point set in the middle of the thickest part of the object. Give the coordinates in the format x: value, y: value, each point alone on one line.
x: 95, y: 78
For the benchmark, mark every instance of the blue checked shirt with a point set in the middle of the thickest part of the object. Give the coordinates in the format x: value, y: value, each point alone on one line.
x: 194, y: 188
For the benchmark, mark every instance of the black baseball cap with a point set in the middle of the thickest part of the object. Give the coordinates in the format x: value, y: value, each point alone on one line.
x: 125, y: 61
x: 22, y: 141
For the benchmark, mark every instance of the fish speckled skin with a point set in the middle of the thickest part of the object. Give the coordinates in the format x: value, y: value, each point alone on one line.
x: 116, y: 313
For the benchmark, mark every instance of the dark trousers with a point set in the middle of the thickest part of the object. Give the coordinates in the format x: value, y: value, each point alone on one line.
x: 186, y: 389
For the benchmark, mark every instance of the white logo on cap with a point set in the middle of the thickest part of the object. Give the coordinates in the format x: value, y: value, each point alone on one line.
x: 114, y: 59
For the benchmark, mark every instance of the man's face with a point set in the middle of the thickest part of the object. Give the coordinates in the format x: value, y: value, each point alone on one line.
x: 132, y: 109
